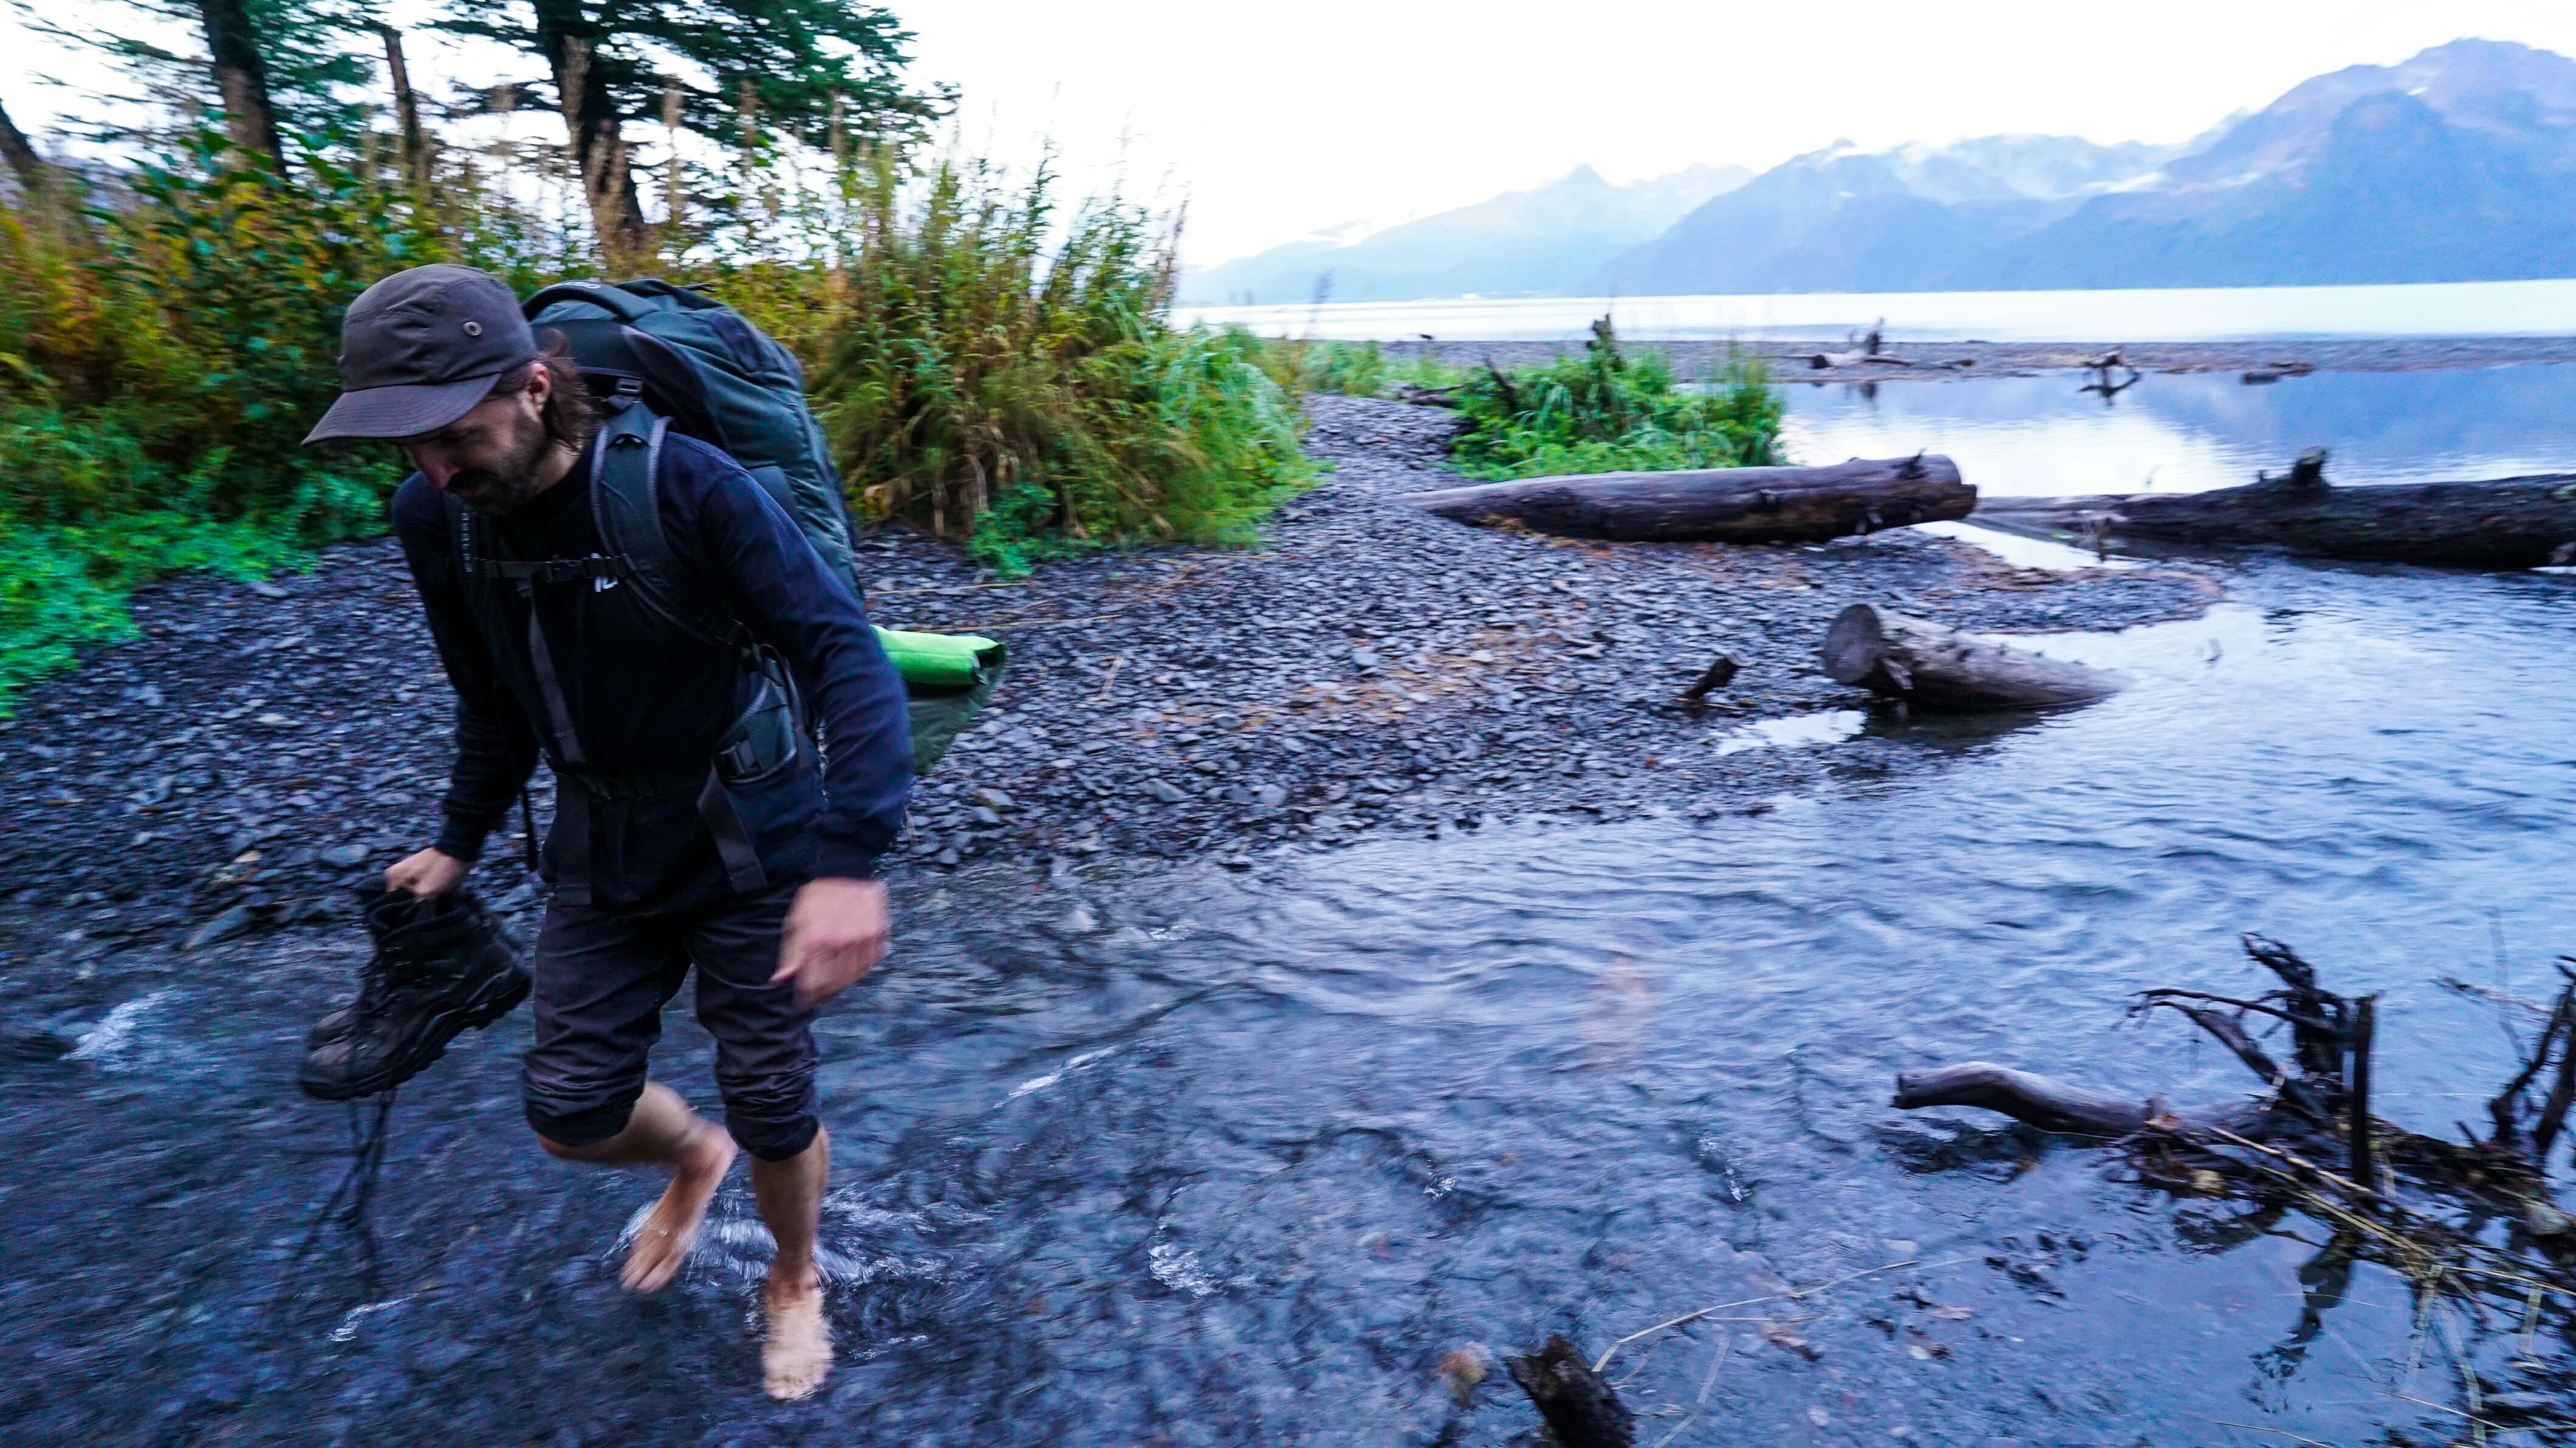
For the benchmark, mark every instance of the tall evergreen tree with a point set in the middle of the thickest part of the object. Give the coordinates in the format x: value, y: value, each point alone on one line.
x: 803, y: 65
x: 241, y: 77
x: 270, y: 66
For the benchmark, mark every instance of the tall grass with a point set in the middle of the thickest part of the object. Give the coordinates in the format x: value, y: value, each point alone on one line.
x: 1351, y: 369
x: 1029, y: 397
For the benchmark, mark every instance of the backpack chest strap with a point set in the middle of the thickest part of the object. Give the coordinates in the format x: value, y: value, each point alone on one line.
x: 596, y: 567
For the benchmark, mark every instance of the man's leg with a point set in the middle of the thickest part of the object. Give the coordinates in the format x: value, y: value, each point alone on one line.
x: 662, y: 1131
x: 601, y: 981
x: 798, y: 1354
x: 765, y: 1062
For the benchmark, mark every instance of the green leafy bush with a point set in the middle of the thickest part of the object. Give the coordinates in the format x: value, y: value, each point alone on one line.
x: 65, y: 588
x: 166, y: 339
x: 1607, y: 411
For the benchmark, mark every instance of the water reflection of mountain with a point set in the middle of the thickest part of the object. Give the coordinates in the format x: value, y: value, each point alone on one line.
x: 2207, y: 430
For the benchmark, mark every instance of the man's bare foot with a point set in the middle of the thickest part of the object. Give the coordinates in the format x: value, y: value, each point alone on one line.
x: 798, y: 1355
x: 668, y: 1232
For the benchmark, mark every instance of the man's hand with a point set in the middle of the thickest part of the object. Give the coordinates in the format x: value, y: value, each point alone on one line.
x: 426, y: 875
x: 836, y: 931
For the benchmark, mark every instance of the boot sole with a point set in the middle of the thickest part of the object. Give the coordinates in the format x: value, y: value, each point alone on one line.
x: 425, y: 1051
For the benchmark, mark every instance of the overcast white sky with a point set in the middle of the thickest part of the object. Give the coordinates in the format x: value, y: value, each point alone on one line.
x: 1274, y: 121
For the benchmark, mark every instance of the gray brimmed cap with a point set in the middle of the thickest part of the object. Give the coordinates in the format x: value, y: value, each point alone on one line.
x: 419, y: 349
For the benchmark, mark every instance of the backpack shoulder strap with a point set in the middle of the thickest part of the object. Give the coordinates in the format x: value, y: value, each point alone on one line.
x: 626, y: 504
x: 469, y: 542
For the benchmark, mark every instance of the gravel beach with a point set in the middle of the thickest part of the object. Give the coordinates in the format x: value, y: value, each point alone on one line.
x: 259, y: 748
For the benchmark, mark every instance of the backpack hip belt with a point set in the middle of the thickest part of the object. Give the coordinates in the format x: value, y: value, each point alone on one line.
x: 724, y: 822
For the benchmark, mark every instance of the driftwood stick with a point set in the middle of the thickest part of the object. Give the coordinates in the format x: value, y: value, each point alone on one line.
x: 1603, y: 1363
x: 1582, y: 1410
x: 2505, y: 1109
x: 2357, y: 1099
x: 2159, y: 994
x: 2554, y: 1114
x: 2302, y: 1164
x: 2320, y: 1039
x: 2036, y: 1100
x: 2230, y: 1034
x: 1719, y: 675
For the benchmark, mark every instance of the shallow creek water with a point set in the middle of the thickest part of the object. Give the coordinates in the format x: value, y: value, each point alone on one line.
x: 1198, y: 1158
x: 2026, y: 436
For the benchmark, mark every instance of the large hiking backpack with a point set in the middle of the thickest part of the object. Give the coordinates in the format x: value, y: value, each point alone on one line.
x: 719, y: 379
x: 667, y: 358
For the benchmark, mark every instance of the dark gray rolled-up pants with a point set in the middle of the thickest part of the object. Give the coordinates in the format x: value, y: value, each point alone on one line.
x: 602, y: 979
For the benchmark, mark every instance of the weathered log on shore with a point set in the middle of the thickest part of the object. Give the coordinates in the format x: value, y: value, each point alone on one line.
x: 1719, y: 505
x: 1938, y: 668
x: 2507, y: 523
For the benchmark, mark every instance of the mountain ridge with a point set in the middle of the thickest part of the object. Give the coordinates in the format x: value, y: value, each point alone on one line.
x: 1520, y: 241
x: 2455, y: 164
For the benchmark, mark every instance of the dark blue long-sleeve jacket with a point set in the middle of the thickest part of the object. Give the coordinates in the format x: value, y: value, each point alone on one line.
x: 645, y: 698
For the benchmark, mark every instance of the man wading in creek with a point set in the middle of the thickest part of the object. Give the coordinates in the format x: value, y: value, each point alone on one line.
x: 691, y: 826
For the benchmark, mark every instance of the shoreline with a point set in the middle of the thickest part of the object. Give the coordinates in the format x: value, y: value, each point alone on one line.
x: 1367, y: 672
x: 1696, y: 360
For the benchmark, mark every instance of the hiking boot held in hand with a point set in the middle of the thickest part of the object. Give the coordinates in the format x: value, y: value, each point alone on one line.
x: 440, y: 966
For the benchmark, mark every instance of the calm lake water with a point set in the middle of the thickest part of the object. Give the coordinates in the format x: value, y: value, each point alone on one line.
x: 2188, y: 432
x: 2448, y: 309
x: 1202, y: 1159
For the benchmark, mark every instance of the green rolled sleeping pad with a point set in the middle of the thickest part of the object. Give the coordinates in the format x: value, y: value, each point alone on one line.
x: 946, y: 679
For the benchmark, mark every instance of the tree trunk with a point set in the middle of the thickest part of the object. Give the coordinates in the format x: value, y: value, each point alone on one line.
x: 1938, y: 668
x: 591, y: 128
x: 35, y: 174
x: 1721, y: 505
x: 2507, y: 523
x: 241, y: 78
x: 1583, y: 1411
x: 415, y: 141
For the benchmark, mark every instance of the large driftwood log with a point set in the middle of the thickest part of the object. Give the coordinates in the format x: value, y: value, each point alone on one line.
x: 2507, y: 523
x: 1719, y: 505
x: 1938, y: 668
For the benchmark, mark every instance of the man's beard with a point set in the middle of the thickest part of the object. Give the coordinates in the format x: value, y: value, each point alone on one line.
x: 498, y: 492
